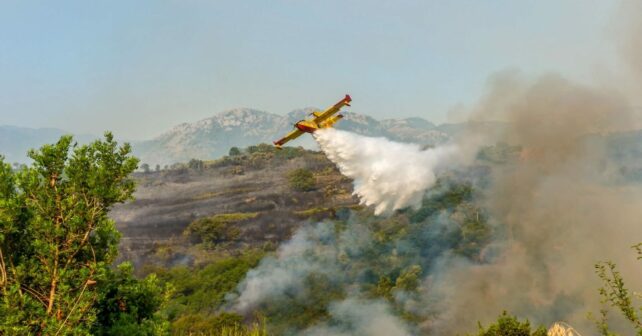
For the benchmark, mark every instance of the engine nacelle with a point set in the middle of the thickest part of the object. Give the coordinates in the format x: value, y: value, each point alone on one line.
x: 330, y: 121
x: 306, y: 126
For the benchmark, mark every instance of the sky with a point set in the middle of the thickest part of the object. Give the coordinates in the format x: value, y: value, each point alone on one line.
x: 138, y: 68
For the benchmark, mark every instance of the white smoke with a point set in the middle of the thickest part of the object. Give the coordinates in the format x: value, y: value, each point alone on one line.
x: 310, y: 249
x: 357, y: 317
x: 387, y: 175
x: 320, y: 249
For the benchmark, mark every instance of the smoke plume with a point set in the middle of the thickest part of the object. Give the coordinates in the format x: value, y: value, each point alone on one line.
x: 387, y: 175
x: 319, y: 249
x: 557, y: 204
x: 557, y: 209
x: 311, y: 249
x: 355, y: 317
x: 562, y: 210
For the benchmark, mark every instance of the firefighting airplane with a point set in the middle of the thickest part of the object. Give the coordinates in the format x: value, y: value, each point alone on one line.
x: 323, y: 119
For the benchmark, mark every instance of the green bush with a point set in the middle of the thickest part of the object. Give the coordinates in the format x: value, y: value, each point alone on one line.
x: 196, y: 164
x: 290, y: 152
x: 508, y: 325
x: 128, y: 306
x: 198, y: 293
x: 234, y: 151
x: 301, y: 180
x: 219, y: 227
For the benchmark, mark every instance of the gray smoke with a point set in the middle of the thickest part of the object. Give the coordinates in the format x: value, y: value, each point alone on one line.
x: 559, y: 210
x: 319, y: 249
x: 357, y: 317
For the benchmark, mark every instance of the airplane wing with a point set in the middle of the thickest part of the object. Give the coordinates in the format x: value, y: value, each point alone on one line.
x: 321, y: 116
x: 290, y: 136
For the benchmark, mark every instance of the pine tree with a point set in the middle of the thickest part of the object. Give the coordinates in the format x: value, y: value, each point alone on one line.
x: 56, y: 239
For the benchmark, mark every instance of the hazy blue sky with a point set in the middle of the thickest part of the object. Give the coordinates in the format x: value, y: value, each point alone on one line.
x: 140, y: 67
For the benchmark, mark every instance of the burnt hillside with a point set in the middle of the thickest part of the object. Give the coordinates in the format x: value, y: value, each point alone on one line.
x: 249, y: 191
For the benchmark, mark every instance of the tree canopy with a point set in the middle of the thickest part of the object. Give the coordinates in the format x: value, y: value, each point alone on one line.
x: 56, y: 239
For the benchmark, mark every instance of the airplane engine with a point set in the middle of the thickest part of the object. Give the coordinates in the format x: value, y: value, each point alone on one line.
x: 306, y: 126
x: 331, y: 121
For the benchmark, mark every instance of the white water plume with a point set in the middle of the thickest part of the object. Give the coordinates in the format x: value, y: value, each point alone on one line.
x: 387, y: 175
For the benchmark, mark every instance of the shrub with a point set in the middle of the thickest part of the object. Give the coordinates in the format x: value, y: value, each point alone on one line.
x: 196, y: 164
x: 218, y: 228
x: 510, y: 325
x: 301, y: 180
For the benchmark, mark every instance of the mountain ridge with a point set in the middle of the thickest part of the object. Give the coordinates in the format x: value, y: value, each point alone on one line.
x: 212, y: 137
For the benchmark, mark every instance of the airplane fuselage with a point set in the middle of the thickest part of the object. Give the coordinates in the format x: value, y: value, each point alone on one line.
x: 310, y: 126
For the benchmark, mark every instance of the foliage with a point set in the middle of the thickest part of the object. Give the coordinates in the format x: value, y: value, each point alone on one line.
x: 296, y: 312
x: 474, y: 233
x: 384, y: 288
x: 127, y: 306
x: 257, y: 329
x: 234, y: 151
x: 615, y: 294
x: 196, y: 164
x: 199, y: 293
x: 313, y: 211
x: 454, y: 195
x: 145, y: 168
x: 301, y: 179
x: 190, y: 324
x: 409, y: 279
x: 260, y: 148
x: 290, y: 152
x: 56, y: 239
x: 507, y: 325
x: 403, y: 248
x: 219, y: 227
x: 500, y: 153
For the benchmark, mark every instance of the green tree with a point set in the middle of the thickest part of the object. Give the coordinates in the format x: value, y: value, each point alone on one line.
x: 615, y: 294
x: 234, y: 151
x: 196, y: 164
x: 409, y: 279
x: 301, y: 180
x: 508, y: 325
x: 384, y: 288
x: 218, y: 228
x: 199, y: 293
x: 56, y: 239
x: 127, y: 306
x: 145, y: 168
x: 252, y: 149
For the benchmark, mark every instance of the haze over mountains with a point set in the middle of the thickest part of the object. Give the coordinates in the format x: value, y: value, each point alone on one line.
x: 16, y: 141
x: 212, y: 138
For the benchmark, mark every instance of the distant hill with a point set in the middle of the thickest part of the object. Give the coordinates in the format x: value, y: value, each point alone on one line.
x: 16, y: 141
x: 213, y: 137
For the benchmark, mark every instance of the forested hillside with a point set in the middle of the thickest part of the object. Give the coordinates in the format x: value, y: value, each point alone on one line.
x: 259, y: 242
x: 202, y: 225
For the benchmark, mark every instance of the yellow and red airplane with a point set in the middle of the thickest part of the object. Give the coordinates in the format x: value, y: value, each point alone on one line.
x: 323, y: 119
